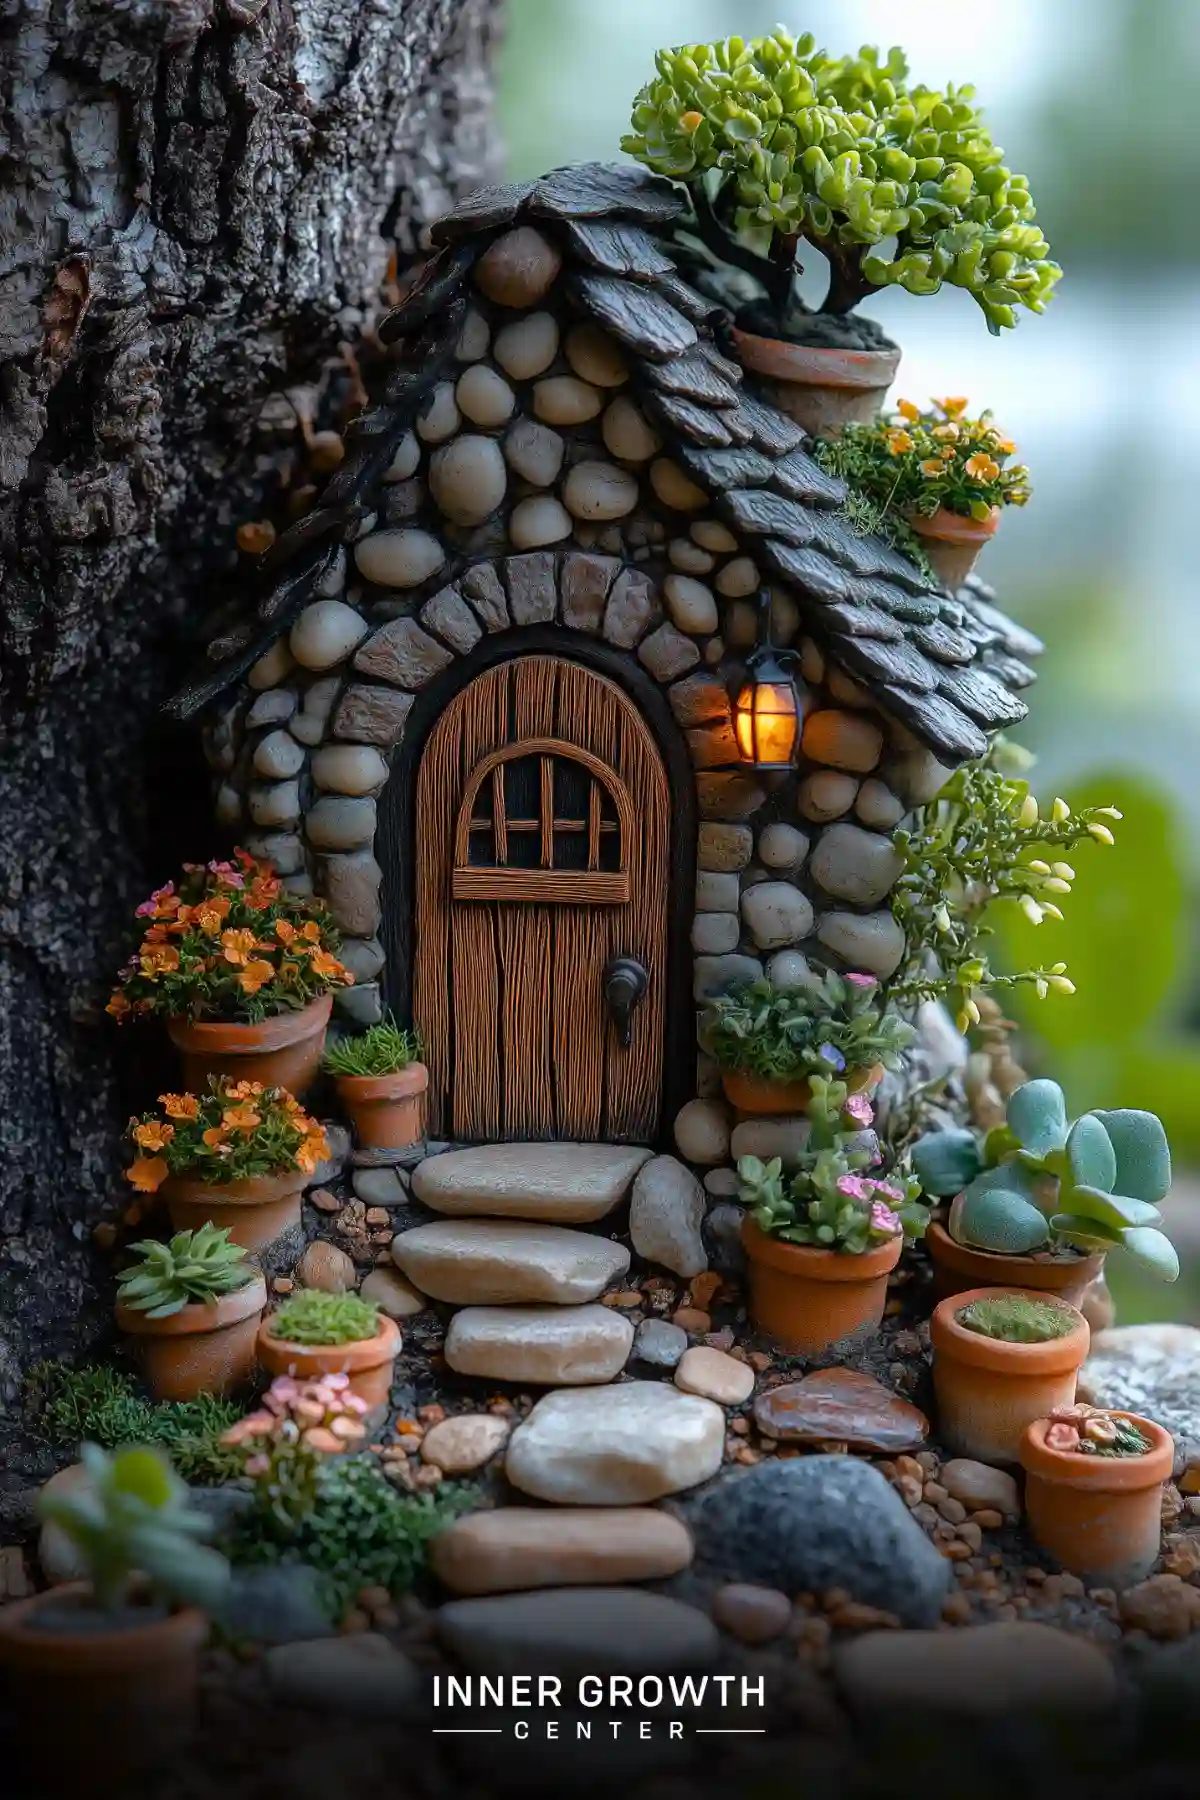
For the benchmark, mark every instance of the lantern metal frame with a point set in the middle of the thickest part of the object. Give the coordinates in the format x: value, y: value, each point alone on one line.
x: 768, y: 665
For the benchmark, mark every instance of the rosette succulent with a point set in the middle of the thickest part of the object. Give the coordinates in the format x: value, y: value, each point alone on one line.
x: 1040, y: 1181
x: 896, y: 185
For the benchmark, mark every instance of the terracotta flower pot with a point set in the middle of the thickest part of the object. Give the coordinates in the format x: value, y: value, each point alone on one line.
x: 203, y: 1349
x: 254, y: 1212
x: 822, y: 390
x: 755, y: 1094
x: 987, y: 1390
x: 1100, y: 1517
x: 952, y: 543
x: 368, y: 1363
x: 806, y: 1299
x: 129, y: 1693
x: 387, y: 1111
x: 283, y: 1051
x: 957, y: 1268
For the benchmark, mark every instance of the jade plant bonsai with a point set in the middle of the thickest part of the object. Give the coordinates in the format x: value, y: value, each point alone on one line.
x: 193, y: 1267
x: 780, y: 144
x: 1040, y: 1181
x: 833, y: 1023
x: 1013, y: 1319
x: 831, y: 1202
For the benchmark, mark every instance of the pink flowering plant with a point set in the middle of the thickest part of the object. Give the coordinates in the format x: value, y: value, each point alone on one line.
x: 284, y: 1443
x: 838, y: 1198
x: 831, y: 1024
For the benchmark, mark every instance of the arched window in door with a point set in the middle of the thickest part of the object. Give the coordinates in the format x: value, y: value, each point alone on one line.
x: 543, y: 820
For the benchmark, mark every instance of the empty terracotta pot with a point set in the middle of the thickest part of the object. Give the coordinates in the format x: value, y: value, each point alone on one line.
x: 957, y: 1268
x: 202, y: 1349
x: 953, y: 543
x: 987, y: 1390
x: 755, y: 1094
x: 387, y: 1111
x: 368, y: 1363
x: 255, y: 1212
x: 806, y: 1299
x: 822, y: 390
x: 283, y: 1051
x: 1100, y: 1517
x: 130, y: 1693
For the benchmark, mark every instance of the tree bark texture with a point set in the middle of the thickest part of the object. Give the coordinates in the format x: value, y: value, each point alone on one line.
x: 198, y: 198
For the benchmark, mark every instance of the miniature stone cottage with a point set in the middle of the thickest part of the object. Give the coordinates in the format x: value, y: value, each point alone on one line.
x: 485, y: 708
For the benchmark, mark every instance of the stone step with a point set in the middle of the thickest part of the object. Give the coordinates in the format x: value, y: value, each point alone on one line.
x: 506, y: 1262
x: 549, y: 1346
x: 574, y: 1631
x: 616, y: 1446
x: 517, y: 1547
x: 560, y: 1184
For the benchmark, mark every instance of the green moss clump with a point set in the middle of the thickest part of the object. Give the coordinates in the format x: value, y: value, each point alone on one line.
x: 313, y: 1317
x: 383, y: 1049
x: 100, y: 1405
x: 1015, y: 1320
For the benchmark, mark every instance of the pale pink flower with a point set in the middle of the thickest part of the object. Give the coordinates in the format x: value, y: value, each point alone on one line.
x: 1062, y: 1437
x: 258, y: 1465
x: 859, y: 1109
x: 887, y: 1188
x: 857, y: 979
x: 854, y: 1187
x: 885, y: 1221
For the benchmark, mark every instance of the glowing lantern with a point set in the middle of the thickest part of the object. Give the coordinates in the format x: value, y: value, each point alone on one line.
x: 767, y: 711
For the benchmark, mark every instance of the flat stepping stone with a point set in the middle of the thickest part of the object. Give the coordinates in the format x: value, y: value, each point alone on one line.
x: 577, y: 1631
x: 616, y: 1446
x: 364, y: 1676
x: 997, y: 1672
x: 562, y: 1184
x: 505, y: 1262
x: 532, y: 1547
x: 549, y: 1346
x: 841, y: 1406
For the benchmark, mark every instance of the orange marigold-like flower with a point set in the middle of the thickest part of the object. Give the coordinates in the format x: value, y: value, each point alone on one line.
x: 147, y: 1174
x: 211, y: 914
x: 311, y: 930
x: 244, y: 1090
x: 241, y: 1118
x: 236, y: 946
x: 152, y: 1134
x: 161, y: 959
x: 215, y: 1137
x: 1004, y: 446
x: 255, y: 975
x: 953, y: 407
x: 908, y: 411
x: 982, y: 468
x: 931, y: 468
x: 948, y: 431
x: 326, y: 966
x: 180, y: 1106
x: 285, y: 931
x: 118, y: 1006
x: 898, y: 441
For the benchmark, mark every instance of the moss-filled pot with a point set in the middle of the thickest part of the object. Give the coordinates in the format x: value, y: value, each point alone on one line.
x: 989, y: 1390
x: 1100, y: 1517
x: 758, y: 1094
x: 254, y: 1212
x: 282, y: 1051
x: 957, y: 1269
x: 823, y: 390
x: 100, y: 1704
x: 367, y: 1362
x: 202, y: 1349
x: 387, y: 1111
x: 805, y: 1298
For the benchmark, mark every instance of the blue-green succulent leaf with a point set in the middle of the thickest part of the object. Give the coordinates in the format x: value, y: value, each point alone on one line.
x: 1092, y: 1159
x: 1142, y: 1151
x: 993, y: 1215
x: 1089, y: 1234
x: 1118, y: 1210
x: 945, y: 1161
x: 1154, y: 1251
x: 1037, y: 1114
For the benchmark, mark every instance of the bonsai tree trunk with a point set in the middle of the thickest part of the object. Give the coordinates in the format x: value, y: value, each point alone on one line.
x: 206, y: 196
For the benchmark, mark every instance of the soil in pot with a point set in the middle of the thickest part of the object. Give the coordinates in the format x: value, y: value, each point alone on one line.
x: 989, y: 1390
x: 387, y: 1111
x: 1100, y: 1517
x: 367, y: 1362
x: 806, y: 1299
x: 958, y: 1268
x: 203, y: 1349
x: 255, y: 1212
x: 953, y: 543
x: 817, y: 330
x: 282, y: 1051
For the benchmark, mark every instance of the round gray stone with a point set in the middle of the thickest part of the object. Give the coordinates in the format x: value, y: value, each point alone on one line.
x: 776, y: 914
x: 659, y: 1343
x: 665, y: 1216
x: 852, y: 864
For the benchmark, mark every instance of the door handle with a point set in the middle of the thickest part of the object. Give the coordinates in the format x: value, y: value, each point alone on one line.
x: 625, y: 984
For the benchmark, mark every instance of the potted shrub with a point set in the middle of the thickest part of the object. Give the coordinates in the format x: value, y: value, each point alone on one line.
x: 236, y: 1157
x: 243, y: 972
x: 115, y: 1658
x: 314, y: 1334
x: 769, y: 1042
x: 1000, y: 1360
x: 381, y: 1081
x: 193, y: 1304
x: 1040, y: 1201
x: 780, y: 147
x: 937, y: 474
x: 821, y: 1242
x: 1093, y: 1491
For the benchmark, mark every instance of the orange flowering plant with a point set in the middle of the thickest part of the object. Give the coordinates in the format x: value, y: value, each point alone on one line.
x: 229, y: 943
x: 237, y: 1130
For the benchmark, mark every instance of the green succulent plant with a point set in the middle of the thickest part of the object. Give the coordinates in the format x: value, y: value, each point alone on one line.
x: 833, y: 1023
x: 132, y: 1516
x: 382, y: 1049
x: 1014, y: 1320
x: 896, y: 185
x: 195, y: 1266
x: 1040, y: 1180
x: 314, y: 1317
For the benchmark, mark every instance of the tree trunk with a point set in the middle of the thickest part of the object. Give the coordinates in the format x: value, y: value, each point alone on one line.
x: 205, y: 198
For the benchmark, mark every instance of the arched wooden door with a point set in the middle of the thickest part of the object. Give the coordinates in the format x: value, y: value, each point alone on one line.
x: 543, y: 825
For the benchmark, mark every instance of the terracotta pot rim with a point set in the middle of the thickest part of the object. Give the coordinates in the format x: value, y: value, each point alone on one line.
x: 111, y: 1652
x: 808, y: 1263
x: 1056, y: 1357
x: 363, y: 1353
x: 197, y: 1318
x: 966, y: 1260
x: 812, y: 365
x: 953, y: 528
x: 1100, y: 1474
x: 228, y: 1038
x: 255, y: 1190
x: 412, y: 1079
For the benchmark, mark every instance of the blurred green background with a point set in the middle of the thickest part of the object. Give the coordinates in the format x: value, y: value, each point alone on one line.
x: 1094, y: 100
